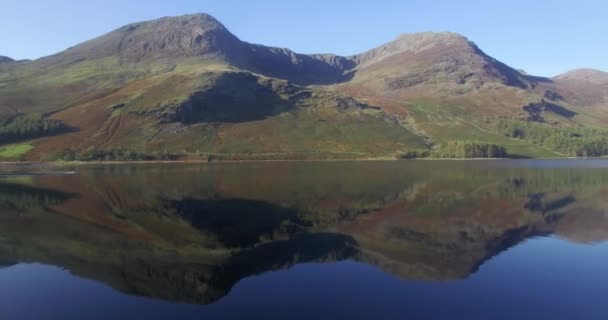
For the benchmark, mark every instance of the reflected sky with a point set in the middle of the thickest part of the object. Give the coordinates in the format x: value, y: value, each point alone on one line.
x: 544, y: 278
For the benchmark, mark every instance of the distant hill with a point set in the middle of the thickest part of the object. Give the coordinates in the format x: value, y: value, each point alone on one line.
x: 185, y: 87
x: 584, y: 87
x: 4, y: 59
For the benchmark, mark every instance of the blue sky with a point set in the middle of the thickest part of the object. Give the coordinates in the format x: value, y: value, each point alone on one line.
x: 542, y: 37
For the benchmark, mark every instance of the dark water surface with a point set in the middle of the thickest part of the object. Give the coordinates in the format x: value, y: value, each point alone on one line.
x: 306, y: 240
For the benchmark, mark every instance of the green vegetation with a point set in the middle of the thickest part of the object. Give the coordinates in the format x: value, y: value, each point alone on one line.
x: 28, y: 126
x: 577, y: 142
x: 130, y: 155
x: 471, y: 149
x: 283, y: 156
x: 443, y: 123
x: 460, y: 150
x: 114, y: 155
x: 415, y: 154
x: 14, y: 151
x: 169, y: 101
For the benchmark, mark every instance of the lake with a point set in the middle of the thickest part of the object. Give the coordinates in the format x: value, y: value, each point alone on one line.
x: 521, y: 239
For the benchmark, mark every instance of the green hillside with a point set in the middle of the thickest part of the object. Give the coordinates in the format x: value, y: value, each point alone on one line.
x: 186, y: 88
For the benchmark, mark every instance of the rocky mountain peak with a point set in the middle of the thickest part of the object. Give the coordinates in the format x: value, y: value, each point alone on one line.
x: 413, y: 43
x: 170, y: 37
x: 447, y: 61
x: 420, y: 39
x: 190, y: 35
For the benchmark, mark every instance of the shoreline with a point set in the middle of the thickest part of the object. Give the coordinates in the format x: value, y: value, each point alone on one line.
x: 41, y: 163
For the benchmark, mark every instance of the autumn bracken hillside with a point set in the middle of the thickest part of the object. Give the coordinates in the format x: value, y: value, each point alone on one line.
x: 186, y: 88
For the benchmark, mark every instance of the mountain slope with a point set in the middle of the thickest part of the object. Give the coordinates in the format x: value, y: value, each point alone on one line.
x: 435, y: 66
x: 584, y: 87
x: 4, y: 59
x: 187, y: 87
x: 447, y: 88
x: 146, y: 49
x: 434, y: 58
x: 227, y: 113
x: 200, y: 36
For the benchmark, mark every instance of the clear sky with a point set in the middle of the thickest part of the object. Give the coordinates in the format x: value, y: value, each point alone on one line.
x: 543, y: 37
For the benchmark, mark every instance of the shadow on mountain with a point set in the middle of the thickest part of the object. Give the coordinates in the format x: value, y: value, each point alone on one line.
x: 508, y: 75
x: 301, y: 69
x: 236, y: 97
x: 535, y: 111
x: 538, y: 79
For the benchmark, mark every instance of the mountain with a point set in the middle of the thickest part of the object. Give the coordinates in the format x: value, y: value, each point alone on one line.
x: 585, y: 87
x: 201, y: 36
x: 434, y: 58
x: 185, y: 87
x: 442, y: 83
x: 4, y: 59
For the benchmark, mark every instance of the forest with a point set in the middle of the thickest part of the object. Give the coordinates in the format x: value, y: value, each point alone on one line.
x: 460, y: 150
x: 573, y: 141
x: 28, y: 126
x: 114, y: 155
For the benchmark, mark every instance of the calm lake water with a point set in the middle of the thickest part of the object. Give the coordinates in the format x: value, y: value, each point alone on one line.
x: 306, y: 240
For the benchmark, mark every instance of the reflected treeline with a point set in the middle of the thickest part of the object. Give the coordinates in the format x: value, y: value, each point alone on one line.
x: 190, y: 233
x: 18, y: 197
x: 556, y: 180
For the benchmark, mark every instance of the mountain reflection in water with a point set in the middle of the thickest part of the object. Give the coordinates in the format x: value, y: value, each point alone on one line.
x: 189, y: 233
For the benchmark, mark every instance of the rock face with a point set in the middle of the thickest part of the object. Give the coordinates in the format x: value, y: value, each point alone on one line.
x: 448, y: 61
x: 202, y: 37
x: 412, y: 44
x: 412, y: 58
x: 185, y: 36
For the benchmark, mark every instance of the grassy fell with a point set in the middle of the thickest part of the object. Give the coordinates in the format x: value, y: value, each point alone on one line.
x: 15, y: 151
x: 192, y: 107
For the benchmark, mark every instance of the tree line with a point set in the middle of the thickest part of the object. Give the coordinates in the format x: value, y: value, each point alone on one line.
x: 472, y: 149
x: 115, y: 155
x: 460, y: 150
x: 573, y: 141
x: 28, y: 126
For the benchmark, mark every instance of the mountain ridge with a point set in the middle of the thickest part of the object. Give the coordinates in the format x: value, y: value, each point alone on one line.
x: 186, y: 85
x: 5, y: 59
x: 209, y: 24
x: 587, y: 74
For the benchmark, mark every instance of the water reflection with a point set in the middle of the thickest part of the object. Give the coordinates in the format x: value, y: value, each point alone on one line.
x: 190, y: 233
